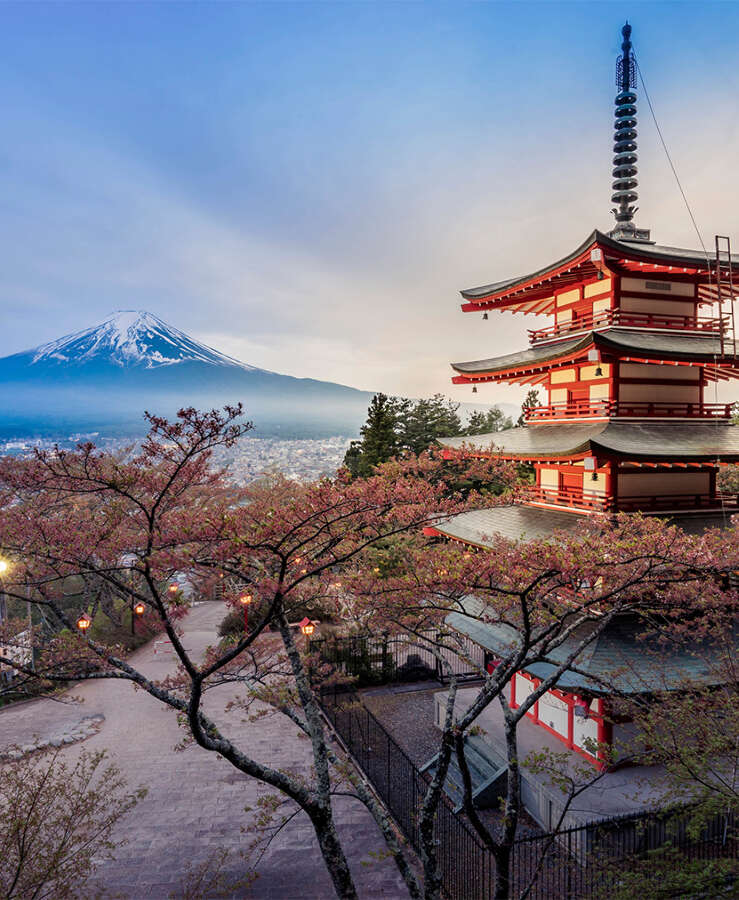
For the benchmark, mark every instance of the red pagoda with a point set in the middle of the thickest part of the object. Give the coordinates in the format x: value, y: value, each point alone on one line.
x: 641, y: 334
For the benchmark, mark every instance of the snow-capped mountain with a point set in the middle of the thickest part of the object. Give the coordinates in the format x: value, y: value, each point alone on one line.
x: 132, y: 337
x: 103, y: 378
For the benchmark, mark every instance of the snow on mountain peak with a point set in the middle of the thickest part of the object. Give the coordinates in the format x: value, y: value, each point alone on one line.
x: 132, y: 337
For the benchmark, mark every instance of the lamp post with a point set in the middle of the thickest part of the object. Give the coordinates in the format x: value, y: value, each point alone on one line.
x: 83, y: 622
x: 245, y: 600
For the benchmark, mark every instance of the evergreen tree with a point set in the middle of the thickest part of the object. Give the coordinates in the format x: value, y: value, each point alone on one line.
x: 421, y: 422
x: 379, y: 436
x: 487, y: 422
x: 531, y: 401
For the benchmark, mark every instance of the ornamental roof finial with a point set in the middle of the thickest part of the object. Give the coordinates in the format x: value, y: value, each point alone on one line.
x: 624, y: 146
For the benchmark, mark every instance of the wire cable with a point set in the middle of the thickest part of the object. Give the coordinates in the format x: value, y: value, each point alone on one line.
x: 669, y: 158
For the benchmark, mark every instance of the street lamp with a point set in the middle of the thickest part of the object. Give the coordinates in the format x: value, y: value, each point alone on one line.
x: 139, y: 609
x: 307, y: 627
x: 83, y: 622
x: 173, y: 588
x: 245, y: 600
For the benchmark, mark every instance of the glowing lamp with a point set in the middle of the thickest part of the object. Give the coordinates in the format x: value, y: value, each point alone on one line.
x: 3, y: 566
x: 83, y: 623
x: 173, y: 588
x: 139, y: 609
x: 245, y: 599
x: 306, y: 626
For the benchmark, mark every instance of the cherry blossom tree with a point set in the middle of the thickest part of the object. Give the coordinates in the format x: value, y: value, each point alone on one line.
x: 554, y: 598
x: 133, y: 522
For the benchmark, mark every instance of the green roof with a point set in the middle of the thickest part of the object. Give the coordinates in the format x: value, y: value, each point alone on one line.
x: 618, y: 656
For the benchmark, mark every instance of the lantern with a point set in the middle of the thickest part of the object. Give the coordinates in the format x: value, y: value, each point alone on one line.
x: 306, y: 626
x: 245, y: 599
x: 139, y: 609
x: 84, y: 622
x: 173, y: 588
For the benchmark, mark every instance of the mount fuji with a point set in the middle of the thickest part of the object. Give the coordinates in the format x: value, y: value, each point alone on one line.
x: 105, y: 377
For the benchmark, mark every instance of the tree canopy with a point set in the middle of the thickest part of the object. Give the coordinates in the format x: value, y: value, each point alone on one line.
x: 397, y: 425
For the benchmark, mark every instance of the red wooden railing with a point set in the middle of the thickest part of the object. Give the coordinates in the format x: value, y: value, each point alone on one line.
x: 574, y: 497
x: 607, y: 317
x: 627, y: 408
x: 577, y: 498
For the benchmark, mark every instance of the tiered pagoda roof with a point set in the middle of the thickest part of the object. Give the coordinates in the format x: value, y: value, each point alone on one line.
x: 641, y: 333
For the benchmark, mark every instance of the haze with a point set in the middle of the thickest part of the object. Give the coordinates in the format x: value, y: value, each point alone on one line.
x: 306, y: 187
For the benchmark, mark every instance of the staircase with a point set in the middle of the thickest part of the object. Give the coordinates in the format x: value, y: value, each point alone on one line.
x: 488, y: 770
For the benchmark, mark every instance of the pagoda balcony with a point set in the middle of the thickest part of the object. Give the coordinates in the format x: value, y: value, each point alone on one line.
x: 574, y: 498
x: 613, y: 409
x: 610, y: 317
x: 579, y: 499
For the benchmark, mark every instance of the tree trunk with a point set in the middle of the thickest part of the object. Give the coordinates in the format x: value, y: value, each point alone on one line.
x: 332, y: 852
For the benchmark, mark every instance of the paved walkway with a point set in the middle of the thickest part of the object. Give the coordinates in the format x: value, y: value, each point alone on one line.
x: 196, y: 800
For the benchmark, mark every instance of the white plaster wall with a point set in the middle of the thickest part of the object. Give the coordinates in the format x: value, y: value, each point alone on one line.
x: 554, y: 713
x: 676, y: 288
x: 659, y: 393
x: 642, y: 484
x: 647, y: 370
x: 658, y: 307
x: 550, y: 478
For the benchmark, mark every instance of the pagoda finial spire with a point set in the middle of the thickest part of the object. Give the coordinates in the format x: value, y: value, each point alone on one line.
x: 624, y: 146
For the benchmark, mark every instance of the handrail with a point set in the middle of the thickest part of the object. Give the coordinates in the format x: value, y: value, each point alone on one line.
x: 581, y: 498
x: 606, y: 317
x: 627, y: 408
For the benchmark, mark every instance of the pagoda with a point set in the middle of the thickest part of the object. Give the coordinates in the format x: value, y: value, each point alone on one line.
x: 641, y: 335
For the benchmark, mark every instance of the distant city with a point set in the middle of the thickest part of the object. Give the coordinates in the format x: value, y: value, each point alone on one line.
x: 248, y: 460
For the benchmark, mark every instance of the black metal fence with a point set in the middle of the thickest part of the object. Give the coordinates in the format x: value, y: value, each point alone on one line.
x: 369, y: 660
x: 575, y: 863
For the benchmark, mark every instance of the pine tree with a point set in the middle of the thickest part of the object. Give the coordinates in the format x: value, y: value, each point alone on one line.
x: 531, y: 401
x: 487, y: 422
x: 421, y: 422
x: 379, y: 437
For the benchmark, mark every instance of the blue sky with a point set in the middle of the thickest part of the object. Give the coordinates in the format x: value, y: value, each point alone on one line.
x: 307, y: 186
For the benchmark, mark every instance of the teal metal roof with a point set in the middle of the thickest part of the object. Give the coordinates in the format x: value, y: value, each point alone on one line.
x: 618, y: 656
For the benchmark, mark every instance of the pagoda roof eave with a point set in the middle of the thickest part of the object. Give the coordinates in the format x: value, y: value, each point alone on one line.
x: 619, y: 441
x: 513, y: 291
x: 625, y: 344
